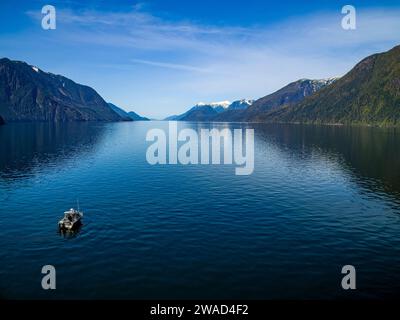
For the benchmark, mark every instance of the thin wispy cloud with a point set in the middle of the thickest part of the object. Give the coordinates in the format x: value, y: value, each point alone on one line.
x: 171, y: 66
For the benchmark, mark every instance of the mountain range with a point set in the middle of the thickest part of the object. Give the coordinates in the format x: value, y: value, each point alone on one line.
x: 209, y: 111
x: 127, y: 115
x: 250, y: 110
x: 29, y: 94
x: 368, y: 94
x: 289, y: 95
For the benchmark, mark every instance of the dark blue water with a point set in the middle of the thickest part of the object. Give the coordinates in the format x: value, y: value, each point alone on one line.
x: 319, y: 198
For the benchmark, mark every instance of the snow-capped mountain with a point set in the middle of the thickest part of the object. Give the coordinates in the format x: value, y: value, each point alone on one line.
x: 217, y: 106
x: 240, y: 104
x: 207, y: 111
x: 318, y: 84
x: 291, y: 94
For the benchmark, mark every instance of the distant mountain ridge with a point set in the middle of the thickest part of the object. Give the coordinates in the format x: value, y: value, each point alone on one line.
x: 134, y: 116
x: 119, y: 111
x: 29, y: 94
x: 240, y: 104
x: 368, y: 94
x: 208, y: 111
x: 217, y: 106
x: 291, y: 94
x: 251, y: 110
x: 127, y: 115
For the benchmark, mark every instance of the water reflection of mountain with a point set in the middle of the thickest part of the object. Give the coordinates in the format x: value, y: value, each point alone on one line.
x: 25, y: 147
x: 372, y: 155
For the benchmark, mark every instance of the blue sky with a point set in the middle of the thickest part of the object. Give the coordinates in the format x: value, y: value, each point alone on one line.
x: 159, y: 57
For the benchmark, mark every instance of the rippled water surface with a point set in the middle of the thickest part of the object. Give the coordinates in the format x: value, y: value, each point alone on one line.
x: 319, y: 198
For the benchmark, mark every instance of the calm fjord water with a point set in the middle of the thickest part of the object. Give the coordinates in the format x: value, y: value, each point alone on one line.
x: 319, y: 198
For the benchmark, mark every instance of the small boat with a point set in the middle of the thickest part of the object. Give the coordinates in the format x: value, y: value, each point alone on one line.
x: 72, y: 219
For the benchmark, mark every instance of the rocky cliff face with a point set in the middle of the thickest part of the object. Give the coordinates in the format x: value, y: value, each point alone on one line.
x: 30, y: 94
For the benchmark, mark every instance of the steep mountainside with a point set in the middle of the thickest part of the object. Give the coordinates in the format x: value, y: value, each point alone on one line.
x: 30, y: 94
x: 129, y: 116
x: 288, y: 95
x: 368, y: 94
x: 134, y: 116
x: 120, y: 111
